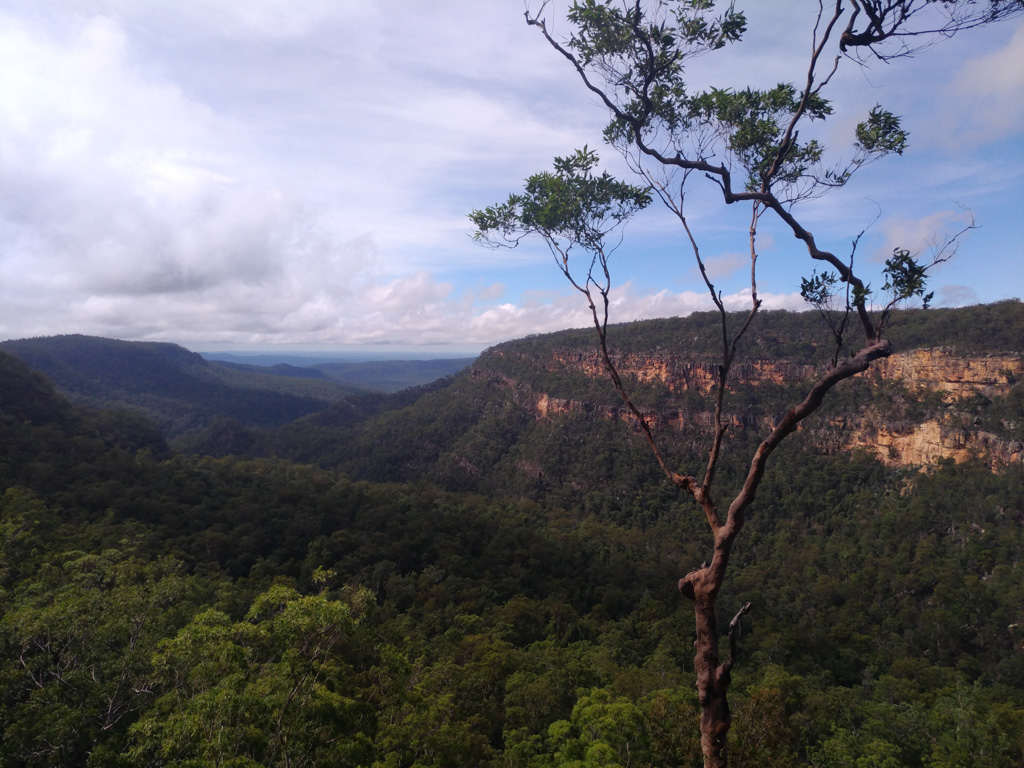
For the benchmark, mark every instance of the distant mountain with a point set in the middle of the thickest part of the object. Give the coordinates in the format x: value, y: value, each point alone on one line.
x: 177, y: 388
x: 278, y: 369
x: 393, y: 375
x: 537, y: 417
x: 374, y: 375
x: 310, y: 358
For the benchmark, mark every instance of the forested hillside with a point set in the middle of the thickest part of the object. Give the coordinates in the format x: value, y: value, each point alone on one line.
x: 178, y: 389
x: 452, y: 576
x: 537, y: 417
x: 374, y: 375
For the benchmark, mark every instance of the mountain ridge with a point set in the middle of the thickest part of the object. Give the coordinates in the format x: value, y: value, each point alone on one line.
x: 175, y: 387
x: 952, y: 392
x: 953, y: 377
x: 539, y: 419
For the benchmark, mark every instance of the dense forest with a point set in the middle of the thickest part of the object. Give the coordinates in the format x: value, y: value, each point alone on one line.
x: 440, y: 577
x: 185, y: 393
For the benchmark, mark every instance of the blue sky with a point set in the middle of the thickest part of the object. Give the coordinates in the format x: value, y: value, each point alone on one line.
x: 285, y: 174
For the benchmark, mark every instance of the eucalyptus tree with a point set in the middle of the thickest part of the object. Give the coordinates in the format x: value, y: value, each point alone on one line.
x: 746, y: 147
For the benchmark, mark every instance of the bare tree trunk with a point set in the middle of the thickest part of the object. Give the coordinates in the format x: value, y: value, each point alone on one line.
x: 713, y: 675
x: 712, y: 684
x: 712, y: 681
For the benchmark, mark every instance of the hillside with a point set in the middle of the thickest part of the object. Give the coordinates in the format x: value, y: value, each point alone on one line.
x: 44, y: 439
x: 374, y: 375
x: 538, y: 417
x: 177, y: 388
x: 953, y: 389
x: 150, y: 599
x: 393, y: 375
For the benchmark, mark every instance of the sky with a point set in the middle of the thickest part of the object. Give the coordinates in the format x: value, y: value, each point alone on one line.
x: 297, y: 174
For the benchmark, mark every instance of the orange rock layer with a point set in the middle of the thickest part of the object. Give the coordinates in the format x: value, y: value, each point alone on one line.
x: 925, y: 370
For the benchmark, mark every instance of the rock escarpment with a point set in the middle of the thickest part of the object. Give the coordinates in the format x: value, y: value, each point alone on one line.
x: 954, y: 432
x: 921, y: 406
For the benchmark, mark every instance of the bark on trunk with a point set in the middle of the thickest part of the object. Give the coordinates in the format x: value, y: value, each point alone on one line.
x: 713, y: 676
x: 712, y: 683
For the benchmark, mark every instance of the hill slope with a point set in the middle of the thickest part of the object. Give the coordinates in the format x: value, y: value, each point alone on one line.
x: 150, y: 599
x: 392, y: 375
x: 538, y: 416
x: 375, y: 375
x: 180, y: 390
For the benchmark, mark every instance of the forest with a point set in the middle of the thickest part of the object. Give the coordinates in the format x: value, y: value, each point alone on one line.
x: 444, y: 577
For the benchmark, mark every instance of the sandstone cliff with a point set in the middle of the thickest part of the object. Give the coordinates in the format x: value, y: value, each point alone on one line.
x: 950, y: 430
x: 952, y: 433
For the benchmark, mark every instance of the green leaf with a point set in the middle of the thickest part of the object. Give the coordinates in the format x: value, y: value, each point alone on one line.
x: 881, y: 133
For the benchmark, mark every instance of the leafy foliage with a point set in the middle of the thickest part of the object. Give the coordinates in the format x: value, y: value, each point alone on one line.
x: 755, y: 123
x: 571, y: 204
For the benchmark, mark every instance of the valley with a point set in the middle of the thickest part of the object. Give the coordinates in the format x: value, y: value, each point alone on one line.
x: 481, y: 570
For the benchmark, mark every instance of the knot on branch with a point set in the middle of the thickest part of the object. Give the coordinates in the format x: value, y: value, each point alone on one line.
x: 688, y: 584
x: 685, y: 482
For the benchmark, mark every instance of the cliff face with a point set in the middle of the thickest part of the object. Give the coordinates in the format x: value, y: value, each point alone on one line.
x: 947, y: 432
x: 932, y: 440
x: 951, y: 434
x: 677, y: 373
x: 957, y: 377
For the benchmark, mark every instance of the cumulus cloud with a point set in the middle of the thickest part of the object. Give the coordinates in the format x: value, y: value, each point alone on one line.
x: 272, y: 172
x: 989, y: 95
x: 922, y: 235
x: 131, y: 214
x: 137, y: 209
x: 118, y: 185
x: 552, y: 312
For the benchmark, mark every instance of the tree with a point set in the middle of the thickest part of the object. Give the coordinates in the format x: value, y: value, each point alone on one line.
x: 76, y: 642
x: 631, y: 55
x: 270, y: 690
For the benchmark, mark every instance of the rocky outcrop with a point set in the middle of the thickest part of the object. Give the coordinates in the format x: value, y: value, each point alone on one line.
x: 955, y: 376
x: 548, y: 407
x: 945, y: 435
x: 926, y: 443
x: 950, y: 434
x: 678, y: 373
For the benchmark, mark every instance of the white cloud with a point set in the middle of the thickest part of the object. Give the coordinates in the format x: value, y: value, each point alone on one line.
x: 217, y: 170
x: 723, y: 266
x: 492, y: 292
x: 921, y: 236
x: 988, y: 95
x: 286, y: 18
x: 132, y: 213
x: 117, y: 184
x: 956, y: 296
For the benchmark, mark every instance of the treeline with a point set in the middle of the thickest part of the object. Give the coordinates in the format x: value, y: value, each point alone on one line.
x: 798, y: 337
x: 161, y: 610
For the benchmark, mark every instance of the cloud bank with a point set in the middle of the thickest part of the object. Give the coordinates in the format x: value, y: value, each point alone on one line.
x: 264, y: 173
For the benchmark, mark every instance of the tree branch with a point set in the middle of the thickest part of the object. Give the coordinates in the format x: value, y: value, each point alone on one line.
x: 734, y: 636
